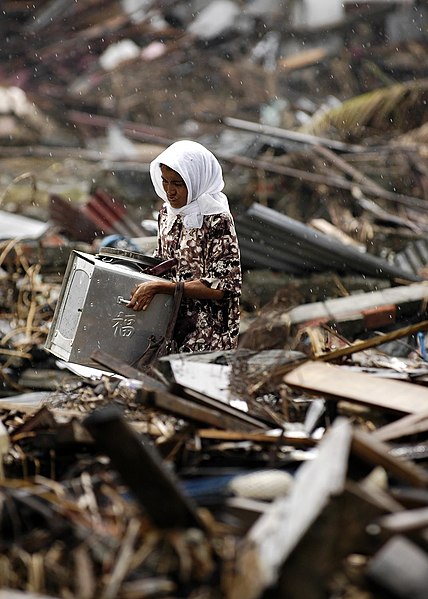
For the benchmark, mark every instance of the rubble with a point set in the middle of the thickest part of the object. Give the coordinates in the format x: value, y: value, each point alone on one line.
x: 295, y: 465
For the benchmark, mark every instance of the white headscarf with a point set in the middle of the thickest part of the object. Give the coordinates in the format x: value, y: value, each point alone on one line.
x: 202, y: 174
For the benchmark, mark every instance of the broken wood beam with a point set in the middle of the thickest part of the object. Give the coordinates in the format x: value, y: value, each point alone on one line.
x: 358, y: 176
x: 372, y: 342
x: 118, y: 366
x: 296, y: 136
x: 276, y: 533
x: 375, y: 452
x: 194, y: 407
x: 330, y: 180
x: 132, y: 129
x: 411, y: 424
x: 258, y: 437
x: 250, y: 422
x: 202, y: 414
x: 141, y: 468
x: 41, y: 419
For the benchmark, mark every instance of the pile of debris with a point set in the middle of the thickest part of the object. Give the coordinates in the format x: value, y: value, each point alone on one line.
x: 218, y: 475
x: 297, y: 465
x: 136, y: 75
x: 142, y: 490
x: 103, y: 84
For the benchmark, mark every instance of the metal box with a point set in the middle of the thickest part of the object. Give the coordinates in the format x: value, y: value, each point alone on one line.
x: 91, y: 312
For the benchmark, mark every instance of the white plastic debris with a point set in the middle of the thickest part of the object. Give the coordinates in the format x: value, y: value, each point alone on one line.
x: 117, y: 53
x: 120, y: 145
x: 313, y: 13
x: 216, y: 18
x: 13, y: 100
x: 136, y: 9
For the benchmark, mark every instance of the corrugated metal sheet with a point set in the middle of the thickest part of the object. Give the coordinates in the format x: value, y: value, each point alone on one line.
x: 269, y: 239
x: 101, y: 215
x: 414, y: 257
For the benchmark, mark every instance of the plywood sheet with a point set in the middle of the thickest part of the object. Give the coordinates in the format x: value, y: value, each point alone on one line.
x: 337, y: 382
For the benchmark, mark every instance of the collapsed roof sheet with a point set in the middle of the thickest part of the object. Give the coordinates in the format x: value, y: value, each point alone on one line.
x: 269, y: 239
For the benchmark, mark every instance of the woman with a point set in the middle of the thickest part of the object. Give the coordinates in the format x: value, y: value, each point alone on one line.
x: 195, y: 226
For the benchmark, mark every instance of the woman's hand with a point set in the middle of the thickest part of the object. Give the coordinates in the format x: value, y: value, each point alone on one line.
x: 143, y: 295
x: 145, y: 292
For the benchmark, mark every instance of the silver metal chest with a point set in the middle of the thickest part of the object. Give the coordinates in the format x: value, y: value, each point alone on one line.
x: 91, y: 312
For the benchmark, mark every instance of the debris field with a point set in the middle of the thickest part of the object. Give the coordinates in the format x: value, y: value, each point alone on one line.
x: 295, y: 466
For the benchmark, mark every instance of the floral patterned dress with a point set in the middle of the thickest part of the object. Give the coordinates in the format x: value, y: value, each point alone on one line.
x: 210, y: 254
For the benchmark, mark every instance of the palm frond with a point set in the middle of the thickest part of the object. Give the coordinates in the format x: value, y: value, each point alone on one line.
x: 387, y: 111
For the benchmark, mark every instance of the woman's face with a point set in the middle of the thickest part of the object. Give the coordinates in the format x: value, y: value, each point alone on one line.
x: 174, y: 186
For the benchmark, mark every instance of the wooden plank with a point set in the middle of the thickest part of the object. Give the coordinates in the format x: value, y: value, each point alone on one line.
x: 9, y: 406
x: 411, y: 424
x: 376, y: 452
x: 116, y: 365
x: 336, y: 382
x: 228, y: 435
x: 308, y: 523
x: 141, y: 468
x: 408, y: 299
x: 193, y: 406
x: 278, y: 531
x: 303, y: 59
x: 201, y: 414
x: 373, y: 342
x: 250, y: 421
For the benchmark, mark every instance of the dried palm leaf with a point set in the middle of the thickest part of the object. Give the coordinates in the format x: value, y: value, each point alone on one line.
x: 391, y: 110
